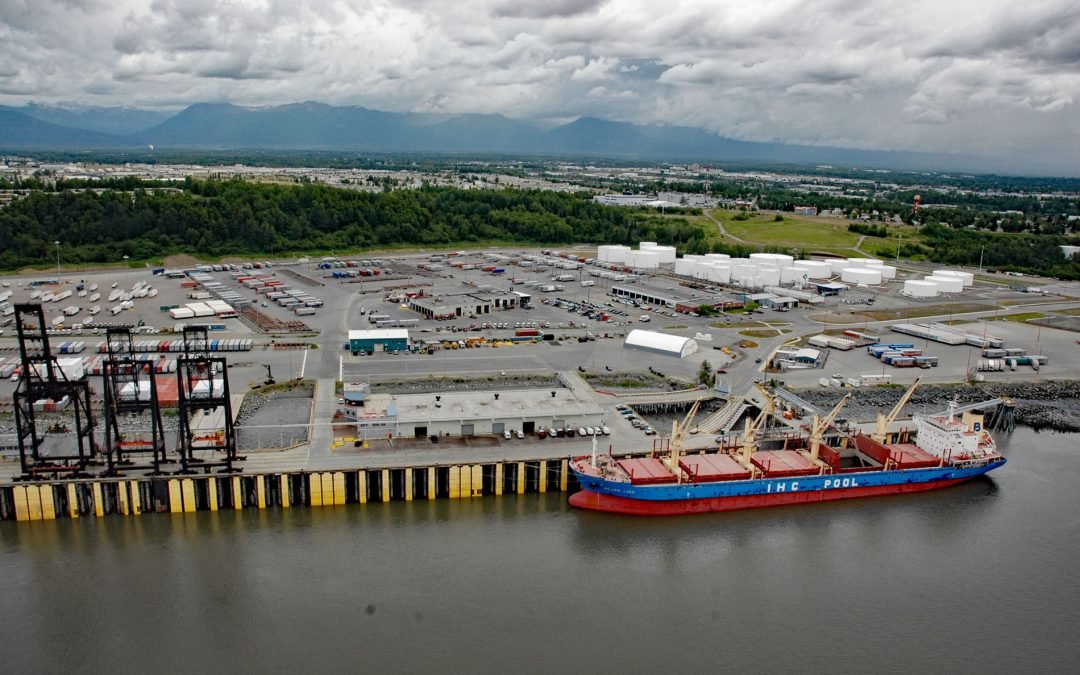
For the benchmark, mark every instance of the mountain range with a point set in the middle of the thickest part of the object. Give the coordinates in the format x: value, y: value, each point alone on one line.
x: 316, y: 126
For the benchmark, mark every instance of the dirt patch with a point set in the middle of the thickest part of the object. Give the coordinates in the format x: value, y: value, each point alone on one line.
x: 765, y: 333
x: 180, y: 260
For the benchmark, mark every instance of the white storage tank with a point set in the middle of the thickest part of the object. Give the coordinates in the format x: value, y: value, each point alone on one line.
x: 815, y: 269
x: 947, y: 284
x: 715, y: 273
x: 666, y: 253
x: 645, y: 245
x: 838, y: 265
x: 967, y: 277
x: 643, y: 260
x: 717, y: 256
x: 778, y: 259
x: 790, y: 275
x: 768, y: 276
x: 920, y: 288
x: 863, y: 262
x: 685, y: 268
x: 861, y: 276
x: 615, y: 253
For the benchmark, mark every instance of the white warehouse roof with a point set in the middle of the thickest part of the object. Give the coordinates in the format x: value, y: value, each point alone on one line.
x: 380, y: 334
x: 661, y: 342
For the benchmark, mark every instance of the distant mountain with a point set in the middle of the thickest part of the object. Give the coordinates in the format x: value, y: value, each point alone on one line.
x: 316, y: 126
x: 115, y: 120
x: 19, y: 131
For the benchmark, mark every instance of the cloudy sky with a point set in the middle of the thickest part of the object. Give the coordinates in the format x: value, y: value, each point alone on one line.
x: 982, y: 76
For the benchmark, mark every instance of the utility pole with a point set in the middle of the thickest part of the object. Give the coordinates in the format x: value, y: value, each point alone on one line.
x: 981, y: 252
x: 899, y: 238
x: 57, y: 261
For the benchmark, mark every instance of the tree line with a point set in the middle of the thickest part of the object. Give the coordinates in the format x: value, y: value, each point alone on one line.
x: 212, y: 218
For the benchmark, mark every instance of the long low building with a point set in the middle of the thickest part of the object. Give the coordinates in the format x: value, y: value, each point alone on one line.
x: 473, y: 413
x: 661, y: 343
x: 379, y: 340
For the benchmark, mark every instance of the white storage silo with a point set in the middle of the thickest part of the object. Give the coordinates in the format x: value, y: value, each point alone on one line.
x: 643, y: 260
x: 947, y: 284
x: 920, y: 288
x: 666, y: 253
x: 645, y: 245
x: 887, y: 271
x: 861, y: 276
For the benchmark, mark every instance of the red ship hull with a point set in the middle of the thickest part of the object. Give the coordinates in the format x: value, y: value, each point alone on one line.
x: 596, y: 501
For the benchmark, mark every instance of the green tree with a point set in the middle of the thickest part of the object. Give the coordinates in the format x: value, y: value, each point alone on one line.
x: 706, y: 374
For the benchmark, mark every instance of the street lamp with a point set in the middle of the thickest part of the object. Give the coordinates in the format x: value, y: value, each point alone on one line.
x: 125, y: 262
x: 57, y: 260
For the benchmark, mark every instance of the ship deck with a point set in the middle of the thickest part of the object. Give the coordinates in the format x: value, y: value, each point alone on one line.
x: 783, y: 463
x: 708, y: 468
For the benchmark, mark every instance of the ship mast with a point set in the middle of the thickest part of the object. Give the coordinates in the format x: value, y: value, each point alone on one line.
x: 675, y: 444
x: 818, y: 427
x: 749, y: 443
x: 881, y: 431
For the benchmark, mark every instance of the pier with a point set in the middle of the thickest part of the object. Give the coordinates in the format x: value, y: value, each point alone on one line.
x: 98, y: 497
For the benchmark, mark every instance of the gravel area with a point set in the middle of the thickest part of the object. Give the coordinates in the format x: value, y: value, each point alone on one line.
x: 1052, y: 405
x: 267, y: 417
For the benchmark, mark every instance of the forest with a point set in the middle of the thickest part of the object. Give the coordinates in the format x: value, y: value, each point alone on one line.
x: 221, y: 218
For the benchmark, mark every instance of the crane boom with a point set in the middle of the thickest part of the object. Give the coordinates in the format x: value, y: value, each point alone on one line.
x: 677, y: 431
x: 817, y: 431
x: 749, y: 444
x: 881, y: 432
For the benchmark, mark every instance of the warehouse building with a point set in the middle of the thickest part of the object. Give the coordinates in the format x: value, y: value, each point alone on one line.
x: 467, y: 305
x: 380, y: 340
x: 473, y: 413
x: 661, y: 343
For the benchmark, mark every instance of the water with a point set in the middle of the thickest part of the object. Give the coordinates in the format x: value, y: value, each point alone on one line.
x: 980, y: 577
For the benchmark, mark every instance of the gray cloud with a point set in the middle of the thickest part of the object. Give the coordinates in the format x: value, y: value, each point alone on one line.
x: 961, y: 75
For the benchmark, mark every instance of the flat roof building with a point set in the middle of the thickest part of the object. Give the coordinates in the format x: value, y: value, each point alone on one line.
x: 378, y: 340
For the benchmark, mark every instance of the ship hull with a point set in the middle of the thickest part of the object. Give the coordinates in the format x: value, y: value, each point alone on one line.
x: 613, y: 497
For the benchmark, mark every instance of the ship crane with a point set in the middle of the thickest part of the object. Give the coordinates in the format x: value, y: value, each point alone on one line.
x: 675, y: 445
x: 881, y: 431
x: 749, y: 438
x: 818, y: 427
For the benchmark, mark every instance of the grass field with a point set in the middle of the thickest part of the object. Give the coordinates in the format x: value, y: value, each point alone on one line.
x: 1020, y: 318
x: 925, y: 310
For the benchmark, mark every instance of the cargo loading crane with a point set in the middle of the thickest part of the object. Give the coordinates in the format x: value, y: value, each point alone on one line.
x: 817, y: 431
x: 45, y: 382
x: 749, y: 437
x: 130, y: 387
x: 881, y: 429
x: 205, y: 406
x: 675, y: 445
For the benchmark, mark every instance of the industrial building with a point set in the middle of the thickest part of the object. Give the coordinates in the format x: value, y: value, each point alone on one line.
x: 661, y: 343
x: 473, y: 413
x: 466, y: 305
x: 380, y: 340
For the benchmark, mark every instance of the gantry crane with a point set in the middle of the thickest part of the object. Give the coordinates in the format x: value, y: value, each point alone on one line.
x: 881, y: 431
x: 818, y: 427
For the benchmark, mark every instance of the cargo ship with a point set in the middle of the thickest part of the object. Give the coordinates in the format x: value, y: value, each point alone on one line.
x: 947, y: 449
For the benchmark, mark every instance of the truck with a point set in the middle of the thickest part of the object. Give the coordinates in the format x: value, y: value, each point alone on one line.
x: 527, y: 332
x: 304, y: 311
